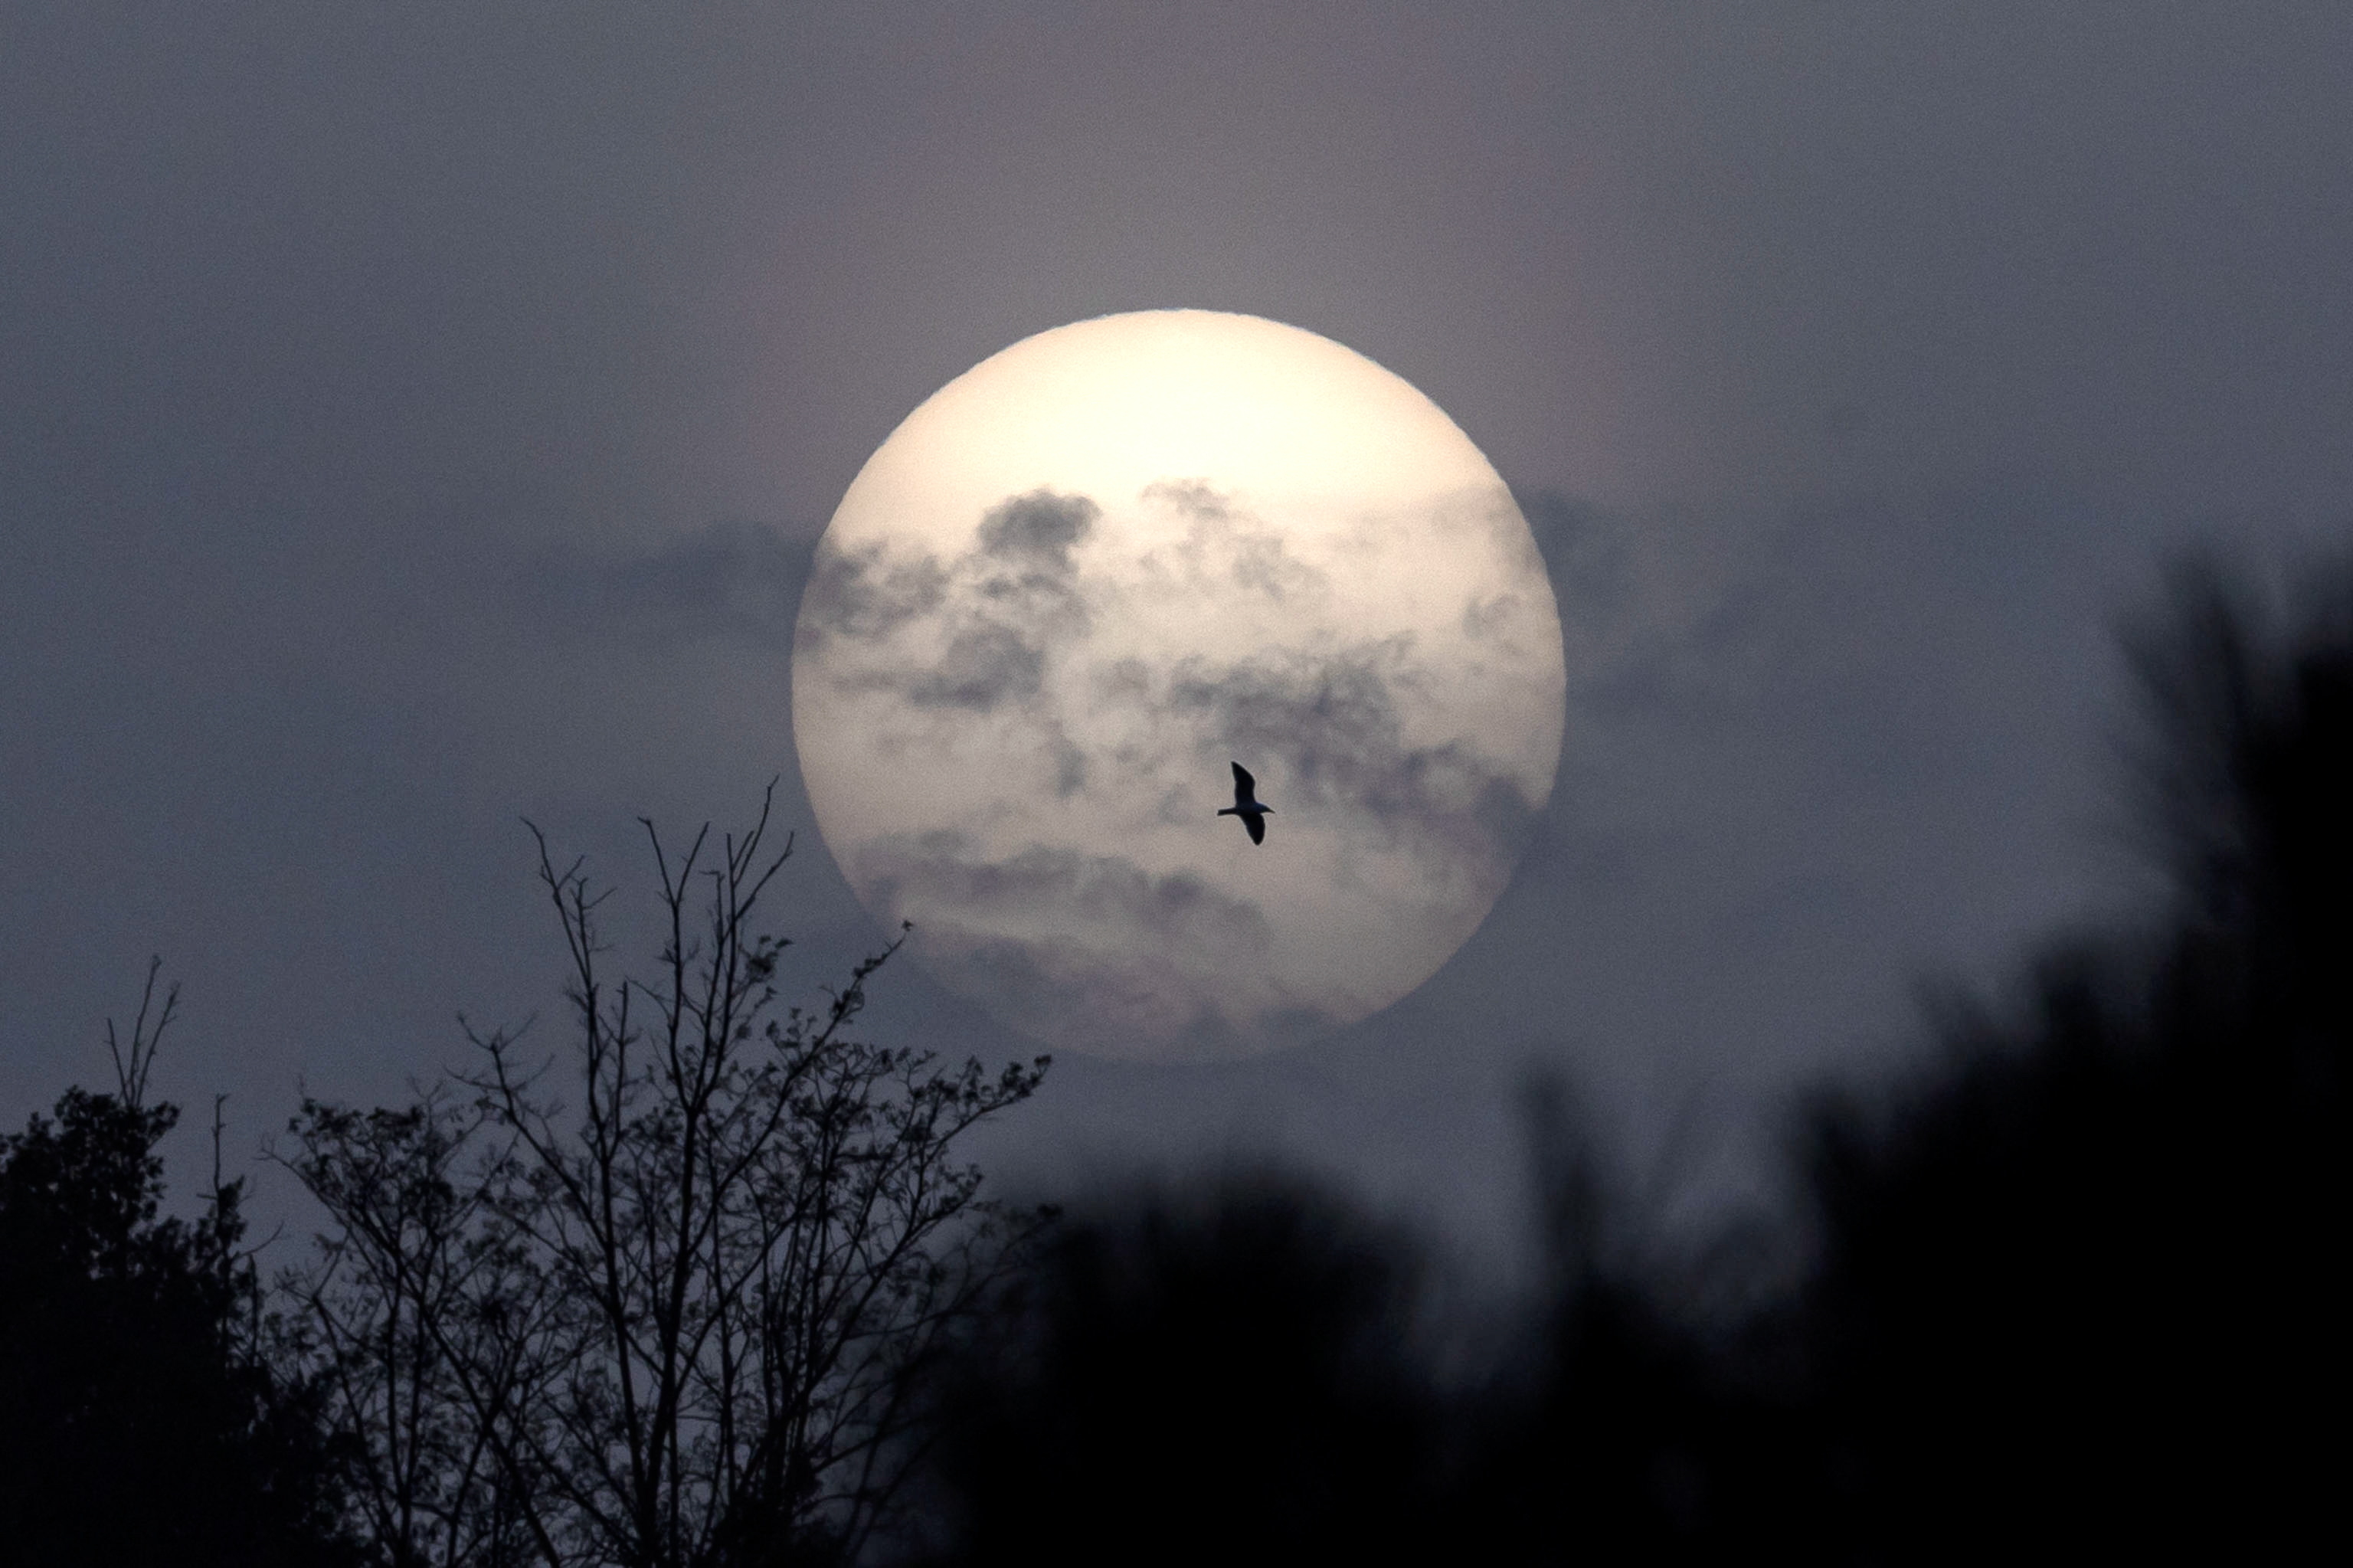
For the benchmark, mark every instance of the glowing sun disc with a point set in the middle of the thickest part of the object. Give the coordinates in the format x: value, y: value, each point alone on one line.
x: 1095, y: 569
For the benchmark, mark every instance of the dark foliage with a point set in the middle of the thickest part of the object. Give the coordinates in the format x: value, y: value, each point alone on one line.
x: 1638, y: 1415
x: 1212, y: 1377
x: 138, y: 1422
x: 1250, y: 1371
x: 2085, y: 1286
x: 2074, y: 1290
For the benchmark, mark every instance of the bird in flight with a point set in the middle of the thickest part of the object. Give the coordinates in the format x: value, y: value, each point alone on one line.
x: 1246, y: 806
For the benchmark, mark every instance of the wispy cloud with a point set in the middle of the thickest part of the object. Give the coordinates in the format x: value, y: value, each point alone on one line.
x: 731, y: 579
x: 1089, y: 948
x: 1334, y: 721
x: 1036, y: 530
x: 1084, y: 685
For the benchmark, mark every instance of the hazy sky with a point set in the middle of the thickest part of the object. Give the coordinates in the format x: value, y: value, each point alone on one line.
x: 414, y: 417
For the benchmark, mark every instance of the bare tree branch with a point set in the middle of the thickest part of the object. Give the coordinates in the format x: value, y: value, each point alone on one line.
x: 675, y: 1327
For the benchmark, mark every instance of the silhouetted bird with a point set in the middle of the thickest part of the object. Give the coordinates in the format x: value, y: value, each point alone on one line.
x: 1246, y: 806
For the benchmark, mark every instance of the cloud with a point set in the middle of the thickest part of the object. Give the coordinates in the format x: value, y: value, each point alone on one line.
x: 1021, y: 571
x: 1069, y: 765
x: 1226, y: 542
x: 1121, y: 1006
x: 940, y: 870
x: 970, y: 633
x: 1664, y: 611
x: 853, y: 596
x: 1084, y: 947
x: 1088, y: 675
x: 1489, y: 619
x: 731, y: 579
x: 982, y: 668
x: 1334, y: 721
x: 1036, y: 530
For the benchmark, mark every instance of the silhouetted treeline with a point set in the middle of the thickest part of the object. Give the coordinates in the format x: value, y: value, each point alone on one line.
x: 2074, y: 1287
x: 2083, y: 1284
x: 2073, y: 1291
x: 142, y: 1420
x: 1213, y: 1376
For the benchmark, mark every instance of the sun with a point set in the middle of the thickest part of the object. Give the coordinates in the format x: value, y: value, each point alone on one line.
x: 1087, y: 577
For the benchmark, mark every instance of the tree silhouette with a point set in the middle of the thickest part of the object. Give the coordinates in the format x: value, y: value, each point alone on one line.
x: 676, y: 1323
x: 1643, y: 1415
x: 1220, y: 1374
x: 2075, y: 1288
x: 139, y: 1419
x: 2083, y: 1284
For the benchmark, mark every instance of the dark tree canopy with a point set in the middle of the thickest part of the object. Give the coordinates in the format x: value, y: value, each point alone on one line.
x: 138, y: 1422
x: 1208, y: 1376
x: 2075, y: 1289
x: 2085, y: 1280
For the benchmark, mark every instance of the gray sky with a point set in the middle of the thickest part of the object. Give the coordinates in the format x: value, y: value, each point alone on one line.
x: 412, y: 418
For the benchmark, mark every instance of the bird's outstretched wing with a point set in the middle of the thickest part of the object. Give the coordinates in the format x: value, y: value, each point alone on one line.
x: 1245, y: 787
x: 1257, y: 826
